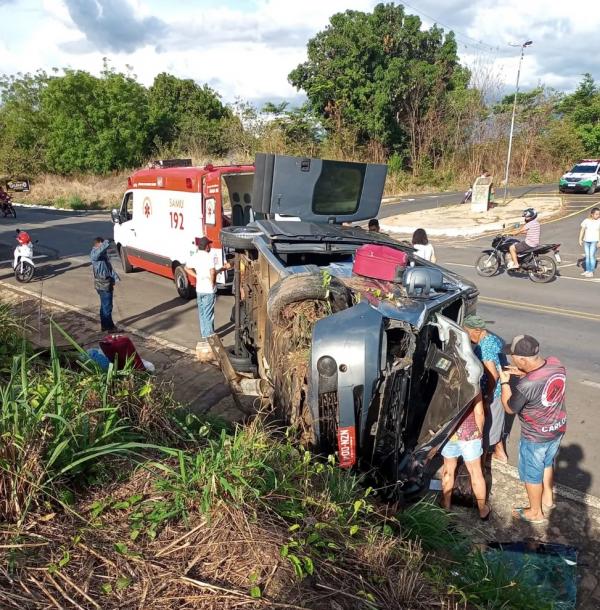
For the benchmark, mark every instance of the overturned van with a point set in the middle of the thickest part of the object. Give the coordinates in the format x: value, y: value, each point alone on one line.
x: 359, y: 338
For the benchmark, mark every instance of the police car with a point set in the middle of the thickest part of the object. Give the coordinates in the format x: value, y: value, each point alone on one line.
x: 585, y: 176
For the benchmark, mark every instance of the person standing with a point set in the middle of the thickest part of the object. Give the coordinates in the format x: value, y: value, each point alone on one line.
x: 589, y: 236
x: 105, y: 278
x: 201, y: 266
x: 422, y: 246
x: 538, y: 397
x: 466, y: 443
x: 373, y: 226
x: 488, y: 348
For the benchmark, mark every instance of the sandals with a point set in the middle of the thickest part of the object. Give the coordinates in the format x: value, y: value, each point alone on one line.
x: 519, y: 513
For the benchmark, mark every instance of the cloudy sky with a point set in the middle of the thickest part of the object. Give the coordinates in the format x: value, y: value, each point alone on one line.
x: 246, y: 48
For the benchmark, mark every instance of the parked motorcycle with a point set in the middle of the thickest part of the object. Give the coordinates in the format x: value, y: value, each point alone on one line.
x: 23, y: 264
x: 540, y: 268
x: 468, y: 195
x: 7, y: 208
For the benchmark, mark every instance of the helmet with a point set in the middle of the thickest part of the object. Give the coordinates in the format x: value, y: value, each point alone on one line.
x: 23, y: 238
x: 529, y: 214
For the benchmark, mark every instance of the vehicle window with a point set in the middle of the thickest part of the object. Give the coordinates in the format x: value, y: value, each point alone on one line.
x: 584, y: 169
x: 127, y: 206
x: 338, y: 188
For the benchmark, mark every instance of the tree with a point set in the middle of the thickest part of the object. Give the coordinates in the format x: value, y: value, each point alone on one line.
x: 381, y: 74
x: 95, y: 124
x: 23, y: 125
x: 187, y: 114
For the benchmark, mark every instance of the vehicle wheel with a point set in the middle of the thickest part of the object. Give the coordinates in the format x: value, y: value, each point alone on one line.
x: 239, y: 238
x: 305, y: 287
x: 545, y: 272
x: 11, y: 211
x: 24, y: 272
x: 239, y: 363
x: 592, y: 189
x: 487, y: 265
x: 182, y: 283
x: 127, y: 266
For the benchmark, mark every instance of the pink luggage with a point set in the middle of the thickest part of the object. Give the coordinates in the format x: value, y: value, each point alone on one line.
x: 380, y: 262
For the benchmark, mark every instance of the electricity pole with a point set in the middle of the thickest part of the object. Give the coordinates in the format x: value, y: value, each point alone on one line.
x: 514, y: 110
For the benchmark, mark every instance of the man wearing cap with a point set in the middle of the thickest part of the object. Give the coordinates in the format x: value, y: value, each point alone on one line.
x: 488, y: 348
x: 538, y: 397
x: 201, y: 266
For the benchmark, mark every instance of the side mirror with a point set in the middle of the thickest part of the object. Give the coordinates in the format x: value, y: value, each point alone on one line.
x: 516, y: 225
x: 115, y: 216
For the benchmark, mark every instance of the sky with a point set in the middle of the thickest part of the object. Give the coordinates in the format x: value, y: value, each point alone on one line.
x: 246, y: 48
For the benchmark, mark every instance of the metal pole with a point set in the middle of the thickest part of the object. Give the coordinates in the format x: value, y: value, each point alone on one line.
x: 512, y: 125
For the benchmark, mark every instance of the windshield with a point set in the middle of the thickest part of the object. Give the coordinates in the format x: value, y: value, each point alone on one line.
x: 584, y: 169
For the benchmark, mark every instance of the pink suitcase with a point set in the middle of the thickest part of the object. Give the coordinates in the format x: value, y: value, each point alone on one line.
x: 380, y: 262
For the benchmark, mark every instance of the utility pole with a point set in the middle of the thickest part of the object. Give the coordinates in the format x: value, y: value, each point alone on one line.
x: 514, y: 110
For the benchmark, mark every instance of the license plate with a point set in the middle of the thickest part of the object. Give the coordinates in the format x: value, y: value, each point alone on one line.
x: 557, y: 257
x: 347, y: 446
x: 572, y: 184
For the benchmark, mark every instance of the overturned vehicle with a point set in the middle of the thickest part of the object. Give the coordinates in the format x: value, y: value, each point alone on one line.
x: 359, y: 338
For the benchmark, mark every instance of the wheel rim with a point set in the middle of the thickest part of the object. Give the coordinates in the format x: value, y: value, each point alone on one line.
x: 545, y: 271
x: 487, y: 265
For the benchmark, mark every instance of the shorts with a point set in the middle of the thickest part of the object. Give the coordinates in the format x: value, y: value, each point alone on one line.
x: 521, y: 247
x: 469, y: 450
x: 534, y: 458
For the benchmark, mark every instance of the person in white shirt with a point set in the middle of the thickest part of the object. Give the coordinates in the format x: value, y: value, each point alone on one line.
x: 589, y: 236
x: 422, y: 247
x: 201, y: 266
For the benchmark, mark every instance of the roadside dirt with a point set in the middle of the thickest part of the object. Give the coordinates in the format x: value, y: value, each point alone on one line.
x: 460, y: 220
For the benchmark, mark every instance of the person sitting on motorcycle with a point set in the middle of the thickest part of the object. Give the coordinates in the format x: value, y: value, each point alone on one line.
x: 4, y: 198
x: 532, y: 230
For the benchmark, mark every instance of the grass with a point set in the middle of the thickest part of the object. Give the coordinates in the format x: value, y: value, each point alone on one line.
x: 111, y: 498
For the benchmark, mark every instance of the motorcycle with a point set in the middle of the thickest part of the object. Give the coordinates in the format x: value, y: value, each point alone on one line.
x: 23, y: 264
x: 7, y: 208
x: 468, y: 195
x: 540, y: 268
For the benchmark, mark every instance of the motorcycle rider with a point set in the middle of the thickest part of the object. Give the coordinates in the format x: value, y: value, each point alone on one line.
x: 5, y: 199
x: 532, y: 231
x: 25, y: 247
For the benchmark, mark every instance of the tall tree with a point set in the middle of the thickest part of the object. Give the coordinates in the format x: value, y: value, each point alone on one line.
x: 381, y: 74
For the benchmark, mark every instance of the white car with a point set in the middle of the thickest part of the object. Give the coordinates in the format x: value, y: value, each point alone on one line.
x: 585, y: 176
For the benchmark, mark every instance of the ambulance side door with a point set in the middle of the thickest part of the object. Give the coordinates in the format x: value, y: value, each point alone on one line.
x: 124, y: 227
x: 212, y: 217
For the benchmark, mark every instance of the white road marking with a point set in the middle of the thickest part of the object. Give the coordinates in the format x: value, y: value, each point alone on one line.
x: 593, y: 384
x: 10, y: 260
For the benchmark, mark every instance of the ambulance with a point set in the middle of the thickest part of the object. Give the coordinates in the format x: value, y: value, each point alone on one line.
x: 169, y: 205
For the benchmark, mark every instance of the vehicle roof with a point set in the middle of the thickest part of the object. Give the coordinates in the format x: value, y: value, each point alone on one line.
x: 178, y: 178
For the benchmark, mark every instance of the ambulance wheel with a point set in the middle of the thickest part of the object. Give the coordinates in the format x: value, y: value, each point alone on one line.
x: 182, y: 283
x: 127, y: 266
x: 239, y: 238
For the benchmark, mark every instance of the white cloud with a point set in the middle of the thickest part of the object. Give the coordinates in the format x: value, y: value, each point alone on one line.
x: 247, y: 50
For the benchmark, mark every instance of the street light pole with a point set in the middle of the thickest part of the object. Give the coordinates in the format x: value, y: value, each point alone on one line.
x: 512, y: 121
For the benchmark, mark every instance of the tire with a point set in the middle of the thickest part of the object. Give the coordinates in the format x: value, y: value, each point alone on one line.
x: 11, y: 211
x: 241, y: 364
x: 127, y: 266
x: 24, y: 272
x: 305, y: 287
x: 547, y: 270
x: 184, y: 289
x: 239, y: 238
x: 487, y: 265
x: 592, y: 188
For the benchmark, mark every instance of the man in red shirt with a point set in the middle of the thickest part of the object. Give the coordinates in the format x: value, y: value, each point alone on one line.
x: 538, y: 397
x: 466, y: 443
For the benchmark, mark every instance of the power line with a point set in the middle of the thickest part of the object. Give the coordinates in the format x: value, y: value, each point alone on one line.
x: 463, y: 38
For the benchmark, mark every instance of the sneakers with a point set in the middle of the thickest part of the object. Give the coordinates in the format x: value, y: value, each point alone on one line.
x: 588, y: 274
x: 511, y: 265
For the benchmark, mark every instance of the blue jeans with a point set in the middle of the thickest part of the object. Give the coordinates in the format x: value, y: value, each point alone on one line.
x: 206, y: 313
x: 106, y: 307
x: 590, y: 247
x: 534, y: 458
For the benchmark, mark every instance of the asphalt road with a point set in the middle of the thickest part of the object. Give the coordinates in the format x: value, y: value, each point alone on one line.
x: 563, y: 315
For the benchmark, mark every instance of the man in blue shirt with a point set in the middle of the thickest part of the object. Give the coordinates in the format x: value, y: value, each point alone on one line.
x: 105, y: 278
x: 488, y: 348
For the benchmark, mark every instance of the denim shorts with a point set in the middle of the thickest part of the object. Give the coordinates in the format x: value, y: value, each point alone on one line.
x: 469, y: 450
x: 534, y: 458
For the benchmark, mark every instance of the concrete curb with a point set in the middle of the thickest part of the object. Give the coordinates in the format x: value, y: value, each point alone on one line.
x: 560, y: 490
x: 38, y: 206
x: 90, y: 316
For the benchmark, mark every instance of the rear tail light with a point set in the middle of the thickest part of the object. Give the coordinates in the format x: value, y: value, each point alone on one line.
x: 347, y: 446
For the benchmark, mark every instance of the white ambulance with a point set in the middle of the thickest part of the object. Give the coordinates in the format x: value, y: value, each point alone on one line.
x: 169, y: 205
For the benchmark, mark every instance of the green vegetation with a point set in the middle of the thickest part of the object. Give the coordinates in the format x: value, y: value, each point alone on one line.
x: 379, y: 87
x: 112, y: 498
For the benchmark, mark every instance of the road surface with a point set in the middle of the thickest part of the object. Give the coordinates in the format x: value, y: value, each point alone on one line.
x: 563, y: 315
